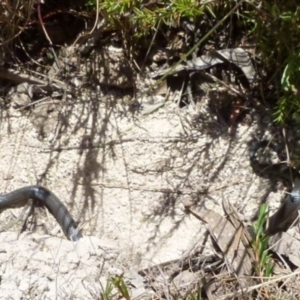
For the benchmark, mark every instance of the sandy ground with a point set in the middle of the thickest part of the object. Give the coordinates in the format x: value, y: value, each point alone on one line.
x: 126, y: 194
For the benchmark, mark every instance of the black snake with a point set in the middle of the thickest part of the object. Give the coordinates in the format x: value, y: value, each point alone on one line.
x: 287, y: 213
x: 48, y: 199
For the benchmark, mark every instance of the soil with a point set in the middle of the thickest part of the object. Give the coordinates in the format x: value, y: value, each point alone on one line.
x: 123, y: 175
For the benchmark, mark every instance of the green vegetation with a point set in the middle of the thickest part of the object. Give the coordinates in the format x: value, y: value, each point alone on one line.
x: 277, y: 29
x: 115, y: 287
x: 107, y: 291
x: 274, y: 27
x: 144, y: 18
x: 121, y: 286
x: 270, y: 28
x: 264, y: 266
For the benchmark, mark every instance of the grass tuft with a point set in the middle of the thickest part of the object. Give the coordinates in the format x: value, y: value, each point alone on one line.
x: 263, y: 262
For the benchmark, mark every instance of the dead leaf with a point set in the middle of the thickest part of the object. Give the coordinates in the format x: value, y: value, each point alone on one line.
x: 161, y: 89
x: 237, y: 56
x: 238, y: 224
x: 224, y: 235
x: 285, y: 244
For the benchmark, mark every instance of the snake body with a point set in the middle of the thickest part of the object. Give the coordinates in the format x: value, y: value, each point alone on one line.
x: 287, y: 213
x: 48, y: 199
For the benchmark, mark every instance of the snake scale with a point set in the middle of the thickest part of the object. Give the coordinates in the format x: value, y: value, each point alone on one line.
x: 287, y: 213
x: 48, y: 199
